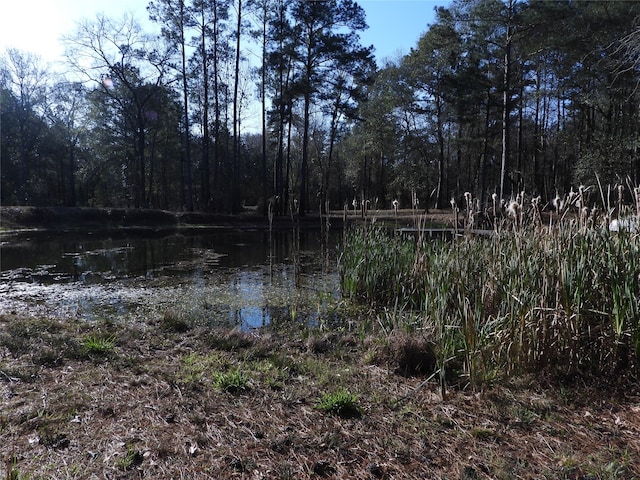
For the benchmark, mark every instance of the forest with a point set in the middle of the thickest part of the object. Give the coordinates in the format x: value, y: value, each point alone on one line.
x: 274, y: 104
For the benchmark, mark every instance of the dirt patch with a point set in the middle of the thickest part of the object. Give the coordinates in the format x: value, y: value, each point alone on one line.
x: 107, y: 400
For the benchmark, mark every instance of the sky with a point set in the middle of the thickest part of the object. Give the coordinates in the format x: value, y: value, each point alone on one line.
x: 36, y: 26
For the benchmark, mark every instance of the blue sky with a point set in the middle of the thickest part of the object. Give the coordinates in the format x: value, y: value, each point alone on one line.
x: 396, y: 25
x: 37, y: 25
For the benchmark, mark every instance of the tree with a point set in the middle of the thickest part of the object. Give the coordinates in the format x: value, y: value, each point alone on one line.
x: 69, y: 117
x: 327, y: 40
x: 210, y: 17
x: 262, y: 17
x: 373, y: 143
x: 280, y: 78
x: 124, y: 67
x: 430, y: 71
x: 24, y: 107
x: 235, y: 177
x: 175, y: 20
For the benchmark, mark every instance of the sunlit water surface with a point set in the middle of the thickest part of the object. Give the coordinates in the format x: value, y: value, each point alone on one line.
x: 248, y: 279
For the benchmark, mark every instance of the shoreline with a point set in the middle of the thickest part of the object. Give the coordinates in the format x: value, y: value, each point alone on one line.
x: 27, y: 220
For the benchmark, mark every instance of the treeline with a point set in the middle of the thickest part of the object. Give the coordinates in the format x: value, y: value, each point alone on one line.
x: 273, y: 102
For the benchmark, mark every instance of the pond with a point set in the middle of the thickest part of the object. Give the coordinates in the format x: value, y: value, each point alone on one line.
x: 242, y: 278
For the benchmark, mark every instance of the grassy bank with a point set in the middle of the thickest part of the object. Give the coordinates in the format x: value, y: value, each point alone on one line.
x: 166, y: 399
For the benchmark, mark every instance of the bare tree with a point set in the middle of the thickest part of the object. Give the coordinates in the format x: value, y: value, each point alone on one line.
x: 125, y: 65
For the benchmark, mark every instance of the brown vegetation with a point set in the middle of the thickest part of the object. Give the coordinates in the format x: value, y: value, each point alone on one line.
x: 150, y: 405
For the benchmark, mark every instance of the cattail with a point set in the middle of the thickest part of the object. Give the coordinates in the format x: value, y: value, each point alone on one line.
x: 454, y: 207
x: 584, y: 214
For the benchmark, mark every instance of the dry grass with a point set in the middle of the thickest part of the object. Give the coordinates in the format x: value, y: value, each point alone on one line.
x: 151, y: 410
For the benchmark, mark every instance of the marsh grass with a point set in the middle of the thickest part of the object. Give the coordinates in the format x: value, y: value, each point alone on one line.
x: 375, y: 265
x: 232, y: 341
x: 175, y: 322
x: 564, y: 297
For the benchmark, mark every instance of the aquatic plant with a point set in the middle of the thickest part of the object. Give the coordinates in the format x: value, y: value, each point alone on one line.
x: 374, y: 264
x: 529, y: 297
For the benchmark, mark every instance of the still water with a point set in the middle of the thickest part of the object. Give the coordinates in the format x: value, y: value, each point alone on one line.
x: 248, y: 279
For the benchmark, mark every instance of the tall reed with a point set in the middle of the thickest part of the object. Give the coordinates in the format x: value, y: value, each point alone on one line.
x: 565, y: 296
x: 375, y: 265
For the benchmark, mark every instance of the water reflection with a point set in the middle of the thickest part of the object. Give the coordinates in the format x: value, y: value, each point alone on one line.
x: 243, y: 278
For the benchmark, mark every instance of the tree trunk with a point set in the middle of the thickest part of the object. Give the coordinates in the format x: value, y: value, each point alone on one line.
x: 206, y: 181
x: 305, y: 133
x: 216, y: 103
x: 506, y: 104
x: 185, y: 100
x: 236, y: 123
x: 441, y: 154
x: 263, y: 93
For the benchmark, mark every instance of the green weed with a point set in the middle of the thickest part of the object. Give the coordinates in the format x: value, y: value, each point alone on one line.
x: 97, y: 344
x: 233, y: 381
x: 341, y: 403
x: 132, y: 459
x: 194, y: 368
x: 13, y: 473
